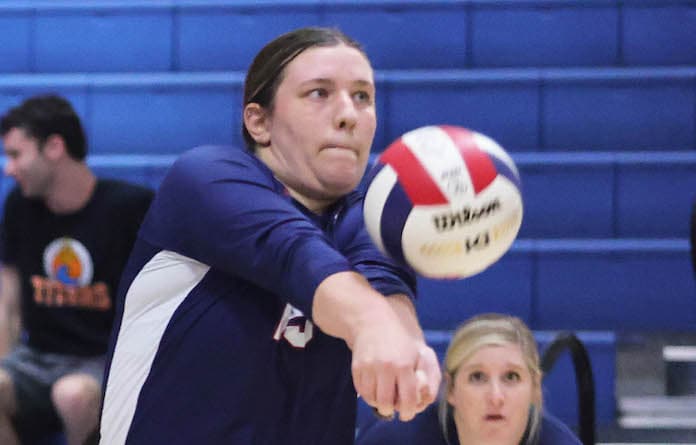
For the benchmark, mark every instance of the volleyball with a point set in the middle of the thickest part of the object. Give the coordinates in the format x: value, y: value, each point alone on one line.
x: 444, y: 200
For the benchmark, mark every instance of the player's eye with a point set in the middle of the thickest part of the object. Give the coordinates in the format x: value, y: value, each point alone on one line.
x: 477, y: 377
x: 363, y: 97
x: 318, y: 93
x: 512, y: 376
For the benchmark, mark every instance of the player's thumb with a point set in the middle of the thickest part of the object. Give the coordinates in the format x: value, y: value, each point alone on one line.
x: 428, y: 376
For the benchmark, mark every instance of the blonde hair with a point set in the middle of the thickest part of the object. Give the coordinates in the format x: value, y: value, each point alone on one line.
x: 491, y: 330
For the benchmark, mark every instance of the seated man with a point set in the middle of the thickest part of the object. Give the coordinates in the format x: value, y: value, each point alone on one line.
x: 65, y: 239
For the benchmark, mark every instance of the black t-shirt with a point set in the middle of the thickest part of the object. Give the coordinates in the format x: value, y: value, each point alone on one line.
x: 70, y: 264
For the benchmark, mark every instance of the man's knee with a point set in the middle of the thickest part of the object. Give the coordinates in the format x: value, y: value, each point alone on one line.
x: 7, y: 394
x: 76, y: 395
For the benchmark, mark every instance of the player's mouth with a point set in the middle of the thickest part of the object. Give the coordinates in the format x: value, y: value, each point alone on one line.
x: 494, y: 418
x: 341, y: 150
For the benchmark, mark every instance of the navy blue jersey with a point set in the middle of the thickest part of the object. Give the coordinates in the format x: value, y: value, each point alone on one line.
x: 213, y: 341
x: 425, y: 429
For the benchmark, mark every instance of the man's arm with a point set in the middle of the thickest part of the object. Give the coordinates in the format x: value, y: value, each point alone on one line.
x: 10, y: 322
x: 389, y: 352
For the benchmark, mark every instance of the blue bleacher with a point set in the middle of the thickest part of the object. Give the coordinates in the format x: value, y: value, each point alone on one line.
x: 607, y: 194
x: 210, y: 35
x: 595, y: 100
x: 658, y: 32
x: 594, y: 195
x: 628, y: 109
x: 605, y: 284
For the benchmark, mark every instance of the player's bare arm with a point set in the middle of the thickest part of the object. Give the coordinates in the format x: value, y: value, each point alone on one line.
x: 428, y: 368
x: 385, y: 339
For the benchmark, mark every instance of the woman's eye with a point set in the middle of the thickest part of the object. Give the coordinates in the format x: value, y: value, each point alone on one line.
x: 477, y: 377
x: 318, y: 92
x: 512, y: 376
x: 363, y: 96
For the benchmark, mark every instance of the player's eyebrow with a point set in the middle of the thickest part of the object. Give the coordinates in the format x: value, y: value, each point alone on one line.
x: 328, y: 81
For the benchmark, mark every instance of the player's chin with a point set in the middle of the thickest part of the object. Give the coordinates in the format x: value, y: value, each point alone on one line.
x: 339, y: 182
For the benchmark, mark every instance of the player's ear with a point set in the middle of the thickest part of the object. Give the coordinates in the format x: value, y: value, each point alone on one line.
x: 257, y: 123
x: 54, y: 147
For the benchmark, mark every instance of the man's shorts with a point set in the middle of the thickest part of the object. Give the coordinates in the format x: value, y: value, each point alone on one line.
x: 34, y: 373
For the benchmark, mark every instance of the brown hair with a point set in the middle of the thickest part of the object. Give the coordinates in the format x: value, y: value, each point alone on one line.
x: 46, y: 115
x: 266, y: 71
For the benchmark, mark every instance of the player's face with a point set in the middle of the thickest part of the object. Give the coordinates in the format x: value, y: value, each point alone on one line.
x: 322, y: 124
x: 26, y: 163
x: 491, y: 396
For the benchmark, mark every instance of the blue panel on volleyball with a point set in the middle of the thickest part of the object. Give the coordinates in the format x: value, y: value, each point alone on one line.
x: 567, y: 201
x: 397, y: 206
x: 659, y: 34
x: 15, y: 51
x: 505, y: 287
x: 172, y: 120
x: 653, y: 200
x: 102, y: 40
x: 227, y: 38
x: 556, y: 35
x: 410, y: 35
x: 615, y: 113
x: 615, y: 284
x: 507, y: 112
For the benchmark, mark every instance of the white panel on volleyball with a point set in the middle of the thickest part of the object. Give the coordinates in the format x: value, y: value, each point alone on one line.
x: 375, y: 199
x: 471, y: 231
x: 441, y: 158
x: 487, y: 144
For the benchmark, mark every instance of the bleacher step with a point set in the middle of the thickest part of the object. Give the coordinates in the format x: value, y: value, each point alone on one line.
x: 680, y: 366
x: 663, y: 422
x: 658, y: 404
x: 658, y: 412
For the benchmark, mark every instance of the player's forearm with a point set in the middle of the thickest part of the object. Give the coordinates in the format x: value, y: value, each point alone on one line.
x: 402, y: 305
x: 345, y: 303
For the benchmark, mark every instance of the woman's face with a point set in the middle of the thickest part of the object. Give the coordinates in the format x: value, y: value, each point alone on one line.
x: 491, y: 396
x: 321, y: 127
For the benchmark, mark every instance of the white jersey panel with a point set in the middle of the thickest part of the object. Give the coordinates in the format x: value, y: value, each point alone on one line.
x: 153, y: 297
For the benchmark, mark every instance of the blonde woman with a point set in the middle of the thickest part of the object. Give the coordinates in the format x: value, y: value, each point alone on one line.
x: 491, y: 393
